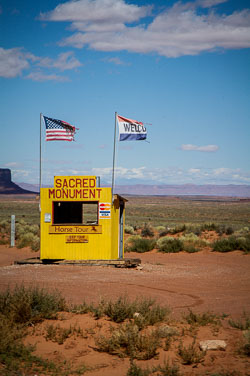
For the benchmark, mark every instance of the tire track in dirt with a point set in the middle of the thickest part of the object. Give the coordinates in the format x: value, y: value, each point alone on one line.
x: 197, y: 300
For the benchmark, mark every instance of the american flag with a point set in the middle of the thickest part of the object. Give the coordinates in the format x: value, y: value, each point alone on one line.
x: 58, y: 130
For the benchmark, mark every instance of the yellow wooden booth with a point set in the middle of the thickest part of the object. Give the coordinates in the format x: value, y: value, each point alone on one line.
x: 79, y: 221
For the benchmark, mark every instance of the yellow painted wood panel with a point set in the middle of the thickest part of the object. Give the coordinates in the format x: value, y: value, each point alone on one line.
x: 103, y: 238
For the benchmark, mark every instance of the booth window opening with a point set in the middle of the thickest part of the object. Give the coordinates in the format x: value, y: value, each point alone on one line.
x: 75, y: 212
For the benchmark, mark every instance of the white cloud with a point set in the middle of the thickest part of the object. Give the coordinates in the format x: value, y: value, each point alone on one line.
x: 179, y: 30
x: 104, y: 11
x: 115, y: 60
x: 206, y: 148
x: 40, y: 77
x: 13, y: 61
x: 194, y: 170
x: 16, y: 60
x: 65, y: 61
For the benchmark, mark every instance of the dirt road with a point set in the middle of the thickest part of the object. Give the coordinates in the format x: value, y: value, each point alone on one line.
x: 202, y: 281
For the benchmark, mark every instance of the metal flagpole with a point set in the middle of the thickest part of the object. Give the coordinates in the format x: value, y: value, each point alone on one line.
x: 113, y: 172
x: 40, y: 162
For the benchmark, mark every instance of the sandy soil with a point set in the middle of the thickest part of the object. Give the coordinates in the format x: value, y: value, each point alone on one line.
x: 203, y: 281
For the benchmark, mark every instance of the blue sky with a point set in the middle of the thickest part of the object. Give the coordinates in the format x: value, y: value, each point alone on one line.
x: 183, y: 67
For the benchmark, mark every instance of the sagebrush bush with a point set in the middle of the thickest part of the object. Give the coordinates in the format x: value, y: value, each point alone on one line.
x: 26, y: 305
x: 147, y: 231
x: 129, y: 230
x: 141, y: 245
x: 160, y: 228
x: 177, y: 229
x: 28, y: 239
x: 232, y: 244
x: 170, y: 245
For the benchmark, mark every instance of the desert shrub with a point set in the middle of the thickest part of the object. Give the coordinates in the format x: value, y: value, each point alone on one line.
x: 59, y: 334
x: 143, y: 311
x: 135, y: 370
x: 28, y: 239
x: 177, y: 229
x: 165, y: 370
x: 159, y: 229
x: 229, y: 230
x: 190, y: 354
x: 26, y: 305
x: 140, y: 245
x: 201, y: 319
x: 4, y: 241
x: 231, y: 244
x: 15, y: 357
x: 209, y: 227
x: 191, y: 249
x: 243, y: 324
x: 244, y: 348
x: 129, y: 230
x: 23, y: 228
x: 170, y: 245
x: 127, y: 341
x: 242, y: 232
x: 147, y: 231
x: 192, y: 243
x: 5, y: 227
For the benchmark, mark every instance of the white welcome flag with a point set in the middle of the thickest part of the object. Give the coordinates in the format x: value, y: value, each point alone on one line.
x: 131, y: 130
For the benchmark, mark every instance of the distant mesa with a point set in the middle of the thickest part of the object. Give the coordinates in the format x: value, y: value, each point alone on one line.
x: 7, y: 187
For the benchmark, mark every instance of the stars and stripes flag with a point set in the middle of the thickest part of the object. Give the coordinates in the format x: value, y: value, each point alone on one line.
x: 131, y: 130
x: 58, y: 130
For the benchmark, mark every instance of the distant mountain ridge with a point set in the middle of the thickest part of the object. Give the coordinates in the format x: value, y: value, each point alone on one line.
x: 230, y: 190
x: 7, y: 186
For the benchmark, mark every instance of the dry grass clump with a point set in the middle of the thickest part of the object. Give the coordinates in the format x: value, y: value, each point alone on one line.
x: 201, y: 319
x: 190, y: 354
x: 18, y: 309
x: 165, y: 370
x: 142, y: 311
x: 244, y: 348
x: 56, y: 333
x: 243, y: 324
x: 128, y: 341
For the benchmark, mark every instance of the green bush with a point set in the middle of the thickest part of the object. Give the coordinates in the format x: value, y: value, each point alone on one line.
x: 27, y: 305
x: 147, y: 231
x: 129, y: 230
x: 165, y: 370
x: 170, y: 245
x: 231, y: 244
x: 201, y: 319
x: 245, y: 345
x: 144, y: 312
x: 190, y: 354
x: 177, y: 229
x: 127, y: 341
x: 140, y: 245
x: 28, y: 239
x: 243, y: 324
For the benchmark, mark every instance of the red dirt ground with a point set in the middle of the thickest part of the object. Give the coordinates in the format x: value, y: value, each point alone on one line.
x: 203, y: 281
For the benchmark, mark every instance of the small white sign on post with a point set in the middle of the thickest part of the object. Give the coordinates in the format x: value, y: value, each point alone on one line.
x: 12, y: 232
